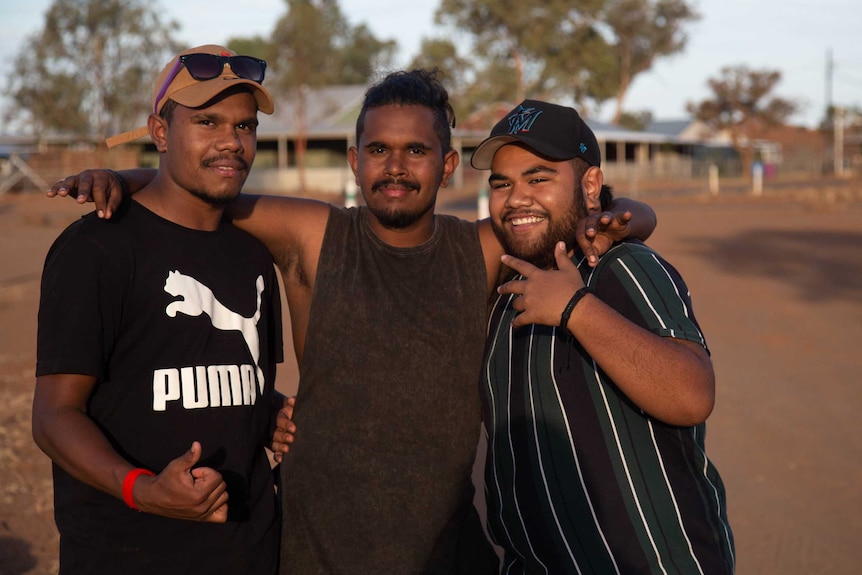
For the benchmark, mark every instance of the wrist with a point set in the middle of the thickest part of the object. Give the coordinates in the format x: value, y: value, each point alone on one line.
x: 124, y: 185
x: 567, y: 311
x: 129, y: 486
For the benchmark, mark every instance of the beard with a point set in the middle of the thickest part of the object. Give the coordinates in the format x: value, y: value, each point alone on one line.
x: 212, y: 199
x: 397, y: 218
x: 539, y: 251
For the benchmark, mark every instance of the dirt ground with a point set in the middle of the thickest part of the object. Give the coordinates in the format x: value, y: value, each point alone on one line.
x: 777, y: 287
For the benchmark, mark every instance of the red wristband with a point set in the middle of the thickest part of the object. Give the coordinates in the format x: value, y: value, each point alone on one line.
x: 129, y: 485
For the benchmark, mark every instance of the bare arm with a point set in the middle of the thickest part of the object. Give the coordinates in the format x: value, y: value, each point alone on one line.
x: 671, y: 379
x: 280, y: 222
x: 64, y: 431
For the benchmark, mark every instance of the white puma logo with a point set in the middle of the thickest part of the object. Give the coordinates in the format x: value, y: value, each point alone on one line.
x: 199, y: 299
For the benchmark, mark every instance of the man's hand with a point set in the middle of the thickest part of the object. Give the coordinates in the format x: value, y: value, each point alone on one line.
x: 99, y: 186
x: 544, y: 293
x: 183, y: 491
x: 598, y: 231
x: 283, y: 434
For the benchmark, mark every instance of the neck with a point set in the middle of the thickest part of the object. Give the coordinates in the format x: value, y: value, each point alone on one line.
x: 183, y: 209
x: 408, y: 236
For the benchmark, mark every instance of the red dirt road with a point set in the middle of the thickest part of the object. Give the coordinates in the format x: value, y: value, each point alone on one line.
x: 777, y: 288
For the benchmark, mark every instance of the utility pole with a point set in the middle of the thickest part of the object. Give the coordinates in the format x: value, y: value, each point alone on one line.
x: 828, y: 87
x: 838, y: 140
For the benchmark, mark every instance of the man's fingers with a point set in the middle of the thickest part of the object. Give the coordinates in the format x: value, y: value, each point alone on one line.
x: 524, y: 268
x: 63, y: 188
x: 562, y: 257
x: 192, y: 456
x: 219, y: 515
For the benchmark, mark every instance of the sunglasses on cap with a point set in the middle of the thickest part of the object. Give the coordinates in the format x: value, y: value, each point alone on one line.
x: 209, y: 66
x: 203, y: 66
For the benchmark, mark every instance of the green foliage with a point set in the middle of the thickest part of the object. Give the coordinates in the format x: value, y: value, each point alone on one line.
x: 455, y: 71
x: 533, y: 46
x: 636, y: 120
x: 315, y: 46
x: 89, y: 71
x: 643, y: 31
x: 256, y: 46
x: 581, y: 51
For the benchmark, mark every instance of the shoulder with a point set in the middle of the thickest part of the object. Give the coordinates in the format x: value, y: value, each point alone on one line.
x: 628, y: 250
x: 455, y: 224
x: 90, y: 232
x: 285, y: 209
x: 634, y: 261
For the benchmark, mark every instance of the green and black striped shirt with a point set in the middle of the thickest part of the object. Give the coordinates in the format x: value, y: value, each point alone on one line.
x: 578, y: 478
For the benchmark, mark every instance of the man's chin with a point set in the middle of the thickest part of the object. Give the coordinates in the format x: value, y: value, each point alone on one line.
x: 538, y: 255
x: 216, y: 199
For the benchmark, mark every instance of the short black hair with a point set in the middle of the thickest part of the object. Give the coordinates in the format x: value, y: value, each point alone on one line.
x: 606, y: 196
x: 417, y: 87
x: 167, y: 111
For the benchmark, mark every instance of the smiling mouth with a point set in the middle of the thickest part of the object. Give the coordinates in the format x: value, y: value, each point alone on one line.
x: 227, y: 170
x: 226, y: 165
x: 525, y: 220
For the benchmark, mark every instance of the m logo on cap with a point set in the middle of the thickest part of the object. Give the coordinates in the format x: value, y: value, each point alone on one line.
x: 522, y: 120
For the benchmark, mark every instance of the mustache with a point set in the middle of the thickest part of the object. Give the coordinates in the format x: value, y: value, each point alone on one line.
x: 225, y: 157
x: 410, y: 185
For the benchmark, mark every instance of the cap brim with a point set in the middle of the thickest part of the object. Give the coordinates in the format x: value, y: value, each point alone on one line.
x: 200, y: 93
x: 484, y: 154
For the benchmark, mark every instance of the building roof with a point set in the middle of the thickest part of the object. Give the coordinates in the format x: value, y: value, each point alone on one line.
x: 330, y: 111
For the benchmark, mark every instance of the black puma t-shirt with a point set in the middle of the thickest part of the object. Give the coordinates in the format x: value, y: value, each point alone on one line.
x: 182, y: 329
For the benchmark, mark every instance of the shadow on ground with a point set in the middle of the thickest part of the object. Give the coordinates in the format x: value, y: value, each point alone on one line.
x: 15, y: 556
x: 820, y: 265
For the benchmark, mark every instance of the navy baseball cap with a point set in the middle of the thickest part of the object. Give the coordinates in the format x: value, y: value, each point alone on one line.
x: 556, y: 132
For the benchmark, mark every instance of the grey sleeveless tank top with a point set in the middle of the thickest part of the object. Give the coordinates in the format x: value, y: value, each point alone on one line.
x: 388, y: 412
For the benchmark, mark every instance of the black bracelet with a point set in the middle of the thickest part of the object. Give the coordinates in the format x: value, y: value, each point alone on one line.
x: 564, y: 317
x: 124, y: 185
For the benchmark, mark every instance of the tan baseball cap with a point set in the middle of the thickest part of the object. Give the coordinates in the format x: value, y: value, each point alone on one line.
x: 177, y: 84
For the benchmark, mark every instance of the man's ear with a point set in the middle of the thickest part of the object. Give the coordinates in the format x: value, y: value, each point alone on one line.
x: 353, y: 160
x: 450, y: 161
x: 591, y: 184
x: 158, y: 128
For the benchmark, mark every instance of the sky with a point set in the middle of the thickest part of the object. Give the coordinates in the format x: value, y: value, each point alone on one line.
x: 799, y: 38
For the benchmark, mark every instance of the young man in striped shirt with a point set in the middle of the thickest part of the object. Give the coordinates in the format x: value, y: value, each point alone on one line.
x: 594, y: 403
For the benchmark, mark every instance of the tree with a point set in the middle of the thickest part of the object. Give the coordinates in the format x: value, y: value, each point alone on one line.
x: 636, y: 120
x: 89, y: 71
x: 588, y: 51
x: 256, y: 46
x: 455, y: 71
x: 539, y: 49
x: 742, y: 104
x: 313, y: 46
x: 642, y: 31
